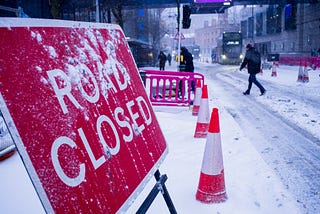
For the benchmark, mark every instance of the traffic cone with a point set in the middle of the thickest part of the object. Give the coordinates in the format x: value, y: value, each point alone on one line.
x: 7, y: 148
x: 197, y: 98
x: 305, y: 73
x: 203, y: 115
x: 300, y: 74
x: 261, y: 71
x: 274, y: 71
x: 211, y: 188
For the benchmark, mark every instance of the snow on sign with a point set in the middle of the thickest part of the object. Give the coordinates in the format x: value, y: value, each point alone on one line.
x: 78, y: 112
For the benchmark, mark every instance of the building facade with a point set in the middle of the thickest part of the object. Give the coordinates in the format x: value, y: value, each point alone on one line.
x: 289, y: 30
x: 209, y: 36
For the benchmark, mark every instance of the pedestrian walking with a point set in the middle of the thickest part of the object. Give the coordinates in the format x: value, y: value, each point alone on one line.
x: 187, y: 65
x: 169, y: 58
x: 252, y: 60
x: 162, y: 60
x: 187, y: 60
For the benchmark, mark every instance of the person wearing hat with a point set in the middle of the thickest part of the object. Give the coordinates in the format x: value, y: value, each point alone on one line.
x: 252, y: 60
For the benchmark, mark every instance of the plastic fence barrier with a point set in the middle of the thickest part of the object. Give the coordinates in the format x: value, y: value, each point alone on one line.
x: 170, y: 88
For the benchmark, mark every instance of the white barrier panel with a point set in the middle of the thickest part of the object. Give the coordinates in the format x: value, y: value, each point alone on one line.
x: 78, y: 113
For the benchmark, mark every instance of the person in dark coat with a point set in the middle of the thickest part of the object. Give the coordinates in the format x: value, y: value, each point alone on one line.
x: 252, y: 60
x: 162, y: 60
x: 187, y: 61
x: 169, y: 58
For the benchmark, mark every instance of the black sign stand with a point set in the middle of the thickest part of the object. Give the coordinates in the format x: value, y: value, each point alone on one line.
x: 158, y: 187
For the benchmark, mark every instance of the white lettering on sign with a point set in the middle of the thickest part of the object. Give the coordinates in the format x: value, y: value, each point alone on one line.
x: 233, y: 43
x: 62, y: 91
x: 85, y: 70
x: 61, y: 83
x: 139, y: 115
x: 141, y: 103
x: 119, y: 111
x: 101, y: 119
x: 134, y: 117
x: 57, y: 166
x: 95, y: 162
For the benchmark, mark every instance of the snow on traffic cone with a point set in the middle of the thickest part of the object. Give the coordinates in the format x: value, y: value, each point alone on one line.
x: 300, y: 74
x: 305, y: 73
x: 211, y: 188
x: 7, y: 148
x: 274, y: 71
x: 203, y: 115
x: 197, y: 98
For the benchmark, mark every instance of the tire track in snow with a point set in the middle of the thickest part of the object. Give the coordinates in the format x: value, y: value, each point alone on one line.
x: 290, y: 150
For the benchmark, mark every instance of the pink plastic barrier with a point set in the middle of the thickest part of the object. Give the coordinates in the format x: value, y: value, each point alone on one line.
x: 170, y: 88
x: 313, y: 62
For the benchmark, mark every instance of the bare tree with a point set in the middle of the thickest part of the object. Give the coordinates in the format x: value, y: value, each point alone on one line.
x: 116, y: 8
x: 156, y: 29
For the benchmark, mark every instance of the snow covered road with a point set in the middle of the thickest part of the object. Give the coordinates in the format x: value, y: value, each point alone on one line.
x: 283, y: 126
x: 270, y: 147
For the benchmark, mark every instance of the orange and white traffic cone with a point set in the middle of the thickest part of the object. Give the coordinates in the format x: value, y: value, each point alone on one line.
x: 274, y: 71
x: 197, y: 98
x: 203, y: 115
x: 7, y: 148
x: 300, y: 74
x: 305, y: 73
x: 211, y: 188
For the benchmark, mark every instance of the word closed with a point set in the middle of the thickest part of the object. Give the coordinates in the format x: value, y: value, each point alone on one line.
x: 78, y: 112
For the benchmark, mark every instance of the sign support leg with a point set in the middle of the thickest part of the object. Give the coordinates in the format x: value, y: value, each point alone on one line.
x: 158, y: 187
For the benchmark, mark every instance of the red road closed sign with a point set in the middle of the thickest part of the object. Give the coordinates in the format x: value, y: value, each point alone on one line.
x: 78, y: 112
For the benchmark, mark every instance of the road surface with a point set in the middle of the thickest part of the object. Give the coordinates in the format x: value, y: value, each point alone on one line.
x: 292, y: 151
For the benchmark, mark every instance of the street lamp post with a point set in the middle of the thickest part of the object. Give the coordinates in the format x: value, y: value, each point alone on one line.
x: 179, y: 31
x: 252, y: 33
x: 179, y: 20
x: 97, y: 11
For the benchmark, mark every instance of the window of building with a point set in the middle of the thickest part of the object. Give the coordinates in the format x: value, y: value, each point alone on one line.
x: 250, y: 27
x: 293, y: 46
x: 274, y: 19
x: 290, y: 22
x: 259, y: 24
x: 244, y: 29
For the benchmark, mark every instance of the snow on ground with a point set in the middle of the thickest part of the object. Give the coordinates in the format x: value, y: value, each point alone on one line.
x: 252, y: 186
x: 294, y: 107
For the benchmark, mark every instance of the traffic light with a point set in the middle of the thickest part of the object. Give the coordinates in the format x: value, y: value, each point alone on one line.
x: 186, y: 21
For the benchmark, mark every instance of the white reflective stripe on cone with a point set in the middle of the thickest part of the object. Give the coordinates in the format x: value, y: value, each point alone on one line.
x: 212, y: 163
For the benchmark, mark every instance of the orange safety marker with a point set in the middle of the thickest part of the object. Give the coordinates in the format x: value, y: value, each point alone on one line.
x: 300, y: 74
x: 7, y: 149
x: 211, y: 188
x: 274, y: 71
x: 305, y: 73
x: 203, y: 115
x: 197, y: 98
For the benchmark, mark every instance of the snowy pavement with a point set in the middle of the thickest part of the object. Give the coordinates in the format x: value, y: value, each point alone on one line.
x: 258, y: 178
